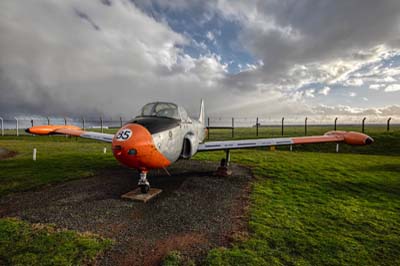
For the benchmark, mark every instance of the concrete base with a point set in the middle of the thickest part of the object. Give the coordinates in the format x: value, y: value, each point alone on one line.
x: 139, y: 196
x: 223, y: 171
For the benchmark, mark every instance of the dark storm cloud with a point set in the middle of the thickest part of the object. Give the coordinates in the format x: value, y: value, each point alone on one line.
x: 85, y: 17
x: 106, y: 2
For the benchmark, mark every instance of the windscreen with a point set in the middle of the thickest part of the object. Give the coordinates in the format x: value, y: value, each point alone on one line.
x: 168, y: 110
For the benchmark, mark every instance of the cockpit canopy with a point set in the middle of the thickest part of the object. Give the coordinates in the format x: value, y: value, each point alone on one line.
x: 160, y: 109
x: 163, y: 109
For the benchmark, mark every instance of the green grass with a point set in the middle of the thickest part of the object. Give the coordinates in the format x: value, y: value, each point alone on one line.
x: 58, y: 159
x: 311, y: 206
x: 22, y: 243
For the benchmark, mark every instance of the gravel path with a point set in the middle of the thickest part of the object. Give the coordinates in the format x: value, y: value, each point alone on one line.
x: 195, y: 212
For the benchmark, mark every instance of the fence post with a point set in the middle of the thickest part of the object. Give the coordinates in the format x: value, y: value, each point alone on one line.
x: 120, y: 120
x: 2, y: 126
x: 257, y: 127
x: 65, y: 123
x: 388, y: 124
x: 283, y: 119
x: 363, y: 125
x: 335, y: 123
x: 16, y: 119
x: 48, y: 121
x: 83, y: 123
x: 233, y: 127
x: 305, y: 126
x: 208, y: 127
x: 101, y: 124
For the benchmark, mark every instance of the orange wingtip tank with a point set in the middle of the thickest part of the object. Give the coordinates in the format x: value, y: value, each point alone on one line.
x: 352, y: 138
x: 49, y: 129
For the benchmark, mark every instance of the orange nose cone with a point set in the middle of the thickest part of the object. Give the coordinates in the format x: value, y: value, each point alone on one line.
x: 133, y: 146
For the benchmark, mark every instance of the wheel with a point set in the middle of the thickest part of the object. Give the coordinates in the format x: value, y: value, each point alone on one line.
x: 144, y: 189
x: 223, y: 162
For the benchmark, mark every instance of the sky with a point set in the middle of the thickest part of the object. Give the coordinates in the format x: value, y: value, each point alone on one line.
x: 270, y: 58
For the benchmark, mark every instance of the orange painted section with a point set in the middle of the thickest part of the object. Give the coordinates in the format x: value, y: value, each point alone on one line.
x: 317, y: 139
x: 351, y: 138
x: 147, y: 155
x: 54, y: 129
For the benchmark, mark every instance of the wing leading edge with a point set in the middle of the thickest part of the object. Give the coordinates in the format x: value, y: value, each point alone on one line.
x: 70, y: 131
x: 352, y: 138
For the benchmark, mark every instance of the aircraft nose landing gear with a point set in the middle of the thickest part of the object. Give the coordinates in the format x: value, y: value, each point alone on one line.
x: 143, y: 182
x: 143, y: 193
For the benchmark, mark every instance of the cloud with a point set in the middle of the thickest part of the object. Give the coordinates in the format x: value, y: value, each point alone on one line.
x: 348, y: 114
x: 376, y: 86
x: 309, y: 93
x: 210, y: 36
x: 330, y: 39
x: 111, y: 57
x: 89, y: 58
x: 324, y: 91
x: 392, y: 88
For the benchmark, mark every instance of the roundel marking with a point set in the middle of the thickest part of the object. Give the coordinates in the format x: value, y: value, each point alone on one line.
x: 123, y: 134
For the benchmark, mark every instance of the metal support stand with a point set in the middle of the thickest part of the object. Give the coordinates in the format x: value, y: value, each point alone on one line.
x: 143, y: 182
x: 144, y: 193
x: 227, y: 158
x: 223, y: 170
x: 337, y: 147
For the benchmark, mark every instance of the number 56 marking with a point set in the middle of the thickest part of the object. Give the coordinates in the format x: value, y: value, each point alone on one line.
x: 123, y: 135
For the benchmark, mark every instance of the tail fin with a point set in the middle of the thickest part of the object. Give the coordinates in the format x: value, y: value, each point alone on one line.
x: 202, y: 116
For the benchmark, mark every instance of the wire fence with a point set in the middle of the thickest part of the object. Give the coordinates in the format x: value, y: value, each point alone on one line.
x: 217, y: 126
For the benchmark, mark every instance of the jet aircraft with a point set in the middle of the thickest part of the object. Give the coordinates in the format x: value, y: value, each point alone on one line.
x: 163, y: 133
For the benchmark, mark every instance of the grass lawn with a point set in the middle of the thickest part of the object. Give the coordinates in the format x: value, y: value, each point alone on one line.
x: 22, y: 243
x: 308, y: 207
x: 322, y: 208
x: 58, y: 159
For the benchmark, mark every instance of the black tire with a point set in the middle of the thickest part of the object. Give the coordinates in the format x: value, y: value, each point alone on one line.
x: 144, y: 189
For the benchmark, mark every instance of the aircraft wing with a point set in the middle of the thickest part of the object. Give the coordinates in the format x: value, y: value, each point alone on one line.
x: 352, y: 138
x: 70, y: 131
